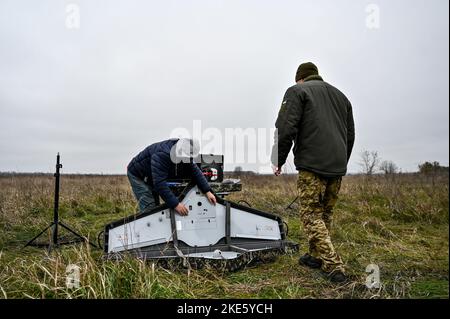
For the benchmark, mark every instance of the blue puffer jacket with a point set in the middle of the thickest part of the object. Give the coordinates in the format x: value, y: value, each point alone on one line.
x: 154, y: 166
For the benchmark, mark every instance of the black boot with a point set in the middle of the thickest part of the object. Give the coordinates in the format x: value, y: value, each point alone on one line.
x: 337, y: 276
x: 310, y: 261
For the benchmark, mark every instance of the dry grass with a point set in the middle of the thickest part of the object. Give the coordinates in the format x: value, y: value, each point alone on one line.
x: 399, y: 223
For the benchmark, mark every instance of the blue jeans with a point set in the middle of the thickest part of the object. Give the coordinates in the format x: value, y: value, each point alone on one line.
x: 143, y: 192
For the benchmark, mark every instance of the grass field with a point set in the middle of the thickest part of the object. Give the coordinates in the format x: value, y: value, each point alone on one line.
x: 399, y: 223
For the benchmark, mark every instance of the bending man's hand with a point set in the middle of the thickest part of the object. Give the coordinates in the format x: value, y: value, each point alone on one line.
x: 212, y: 199
x: 276, y: 170
x: 182, y: 210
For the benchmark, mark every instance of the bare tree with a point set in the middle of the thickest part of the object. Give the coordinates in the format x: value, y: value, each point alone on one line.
x: 388, y: 167
x: 238, y: 170
x: 369, y: 162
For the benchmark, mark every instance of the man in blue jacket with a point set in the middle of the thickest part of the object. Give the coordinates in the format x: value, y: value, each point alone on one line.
x: 149, y: 171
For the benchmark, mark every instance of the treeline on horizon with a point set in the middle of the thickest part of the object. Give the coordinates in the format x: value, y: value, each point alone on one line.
x: 427, y: 168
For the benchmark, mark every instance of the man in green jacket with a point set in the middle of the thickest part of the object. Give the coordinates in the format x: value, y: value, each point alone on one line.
x: 318, y: 119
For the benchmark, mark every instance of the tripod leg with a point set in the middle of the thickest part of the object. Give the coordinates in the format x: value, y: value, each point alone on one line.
x: 76, y: 234
x: 37, y: 236
x: 292, y: 203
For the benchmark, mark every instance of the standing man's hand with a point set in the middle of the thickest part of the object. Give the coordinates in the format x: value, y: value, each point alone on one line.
x: 276, y: 170
x: 182, y: 210
x: 212, y: 199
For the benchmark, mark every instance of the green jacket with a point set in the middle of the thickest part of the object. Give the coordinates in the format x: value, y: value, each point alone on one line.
x: 318, y: 118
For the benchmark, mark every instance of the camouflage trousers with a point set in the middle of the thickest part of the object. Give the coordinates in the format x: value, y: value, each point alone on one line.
x: 318, y: 195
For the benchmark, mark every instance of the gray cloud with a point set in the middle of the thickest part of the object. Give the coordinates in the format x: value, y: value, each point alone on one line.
x: 136, y: 69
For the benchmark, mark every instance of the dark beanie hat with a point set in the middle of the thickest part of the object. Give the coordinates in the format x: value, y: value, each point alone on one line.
x: 305, y: 70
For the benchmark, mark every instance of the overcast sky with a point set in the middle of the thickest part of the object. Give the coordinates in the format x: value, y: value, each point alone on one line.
x: 135, y: 70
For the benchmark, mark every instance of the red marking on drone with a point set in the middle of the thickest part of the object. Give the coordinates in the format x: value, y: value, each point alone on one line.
x: 209, y: 174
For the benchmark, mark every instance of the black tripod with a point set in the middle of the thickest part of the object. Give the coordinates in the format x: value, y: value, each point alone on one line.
x: 292, y: 203
x: 56, y: 222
